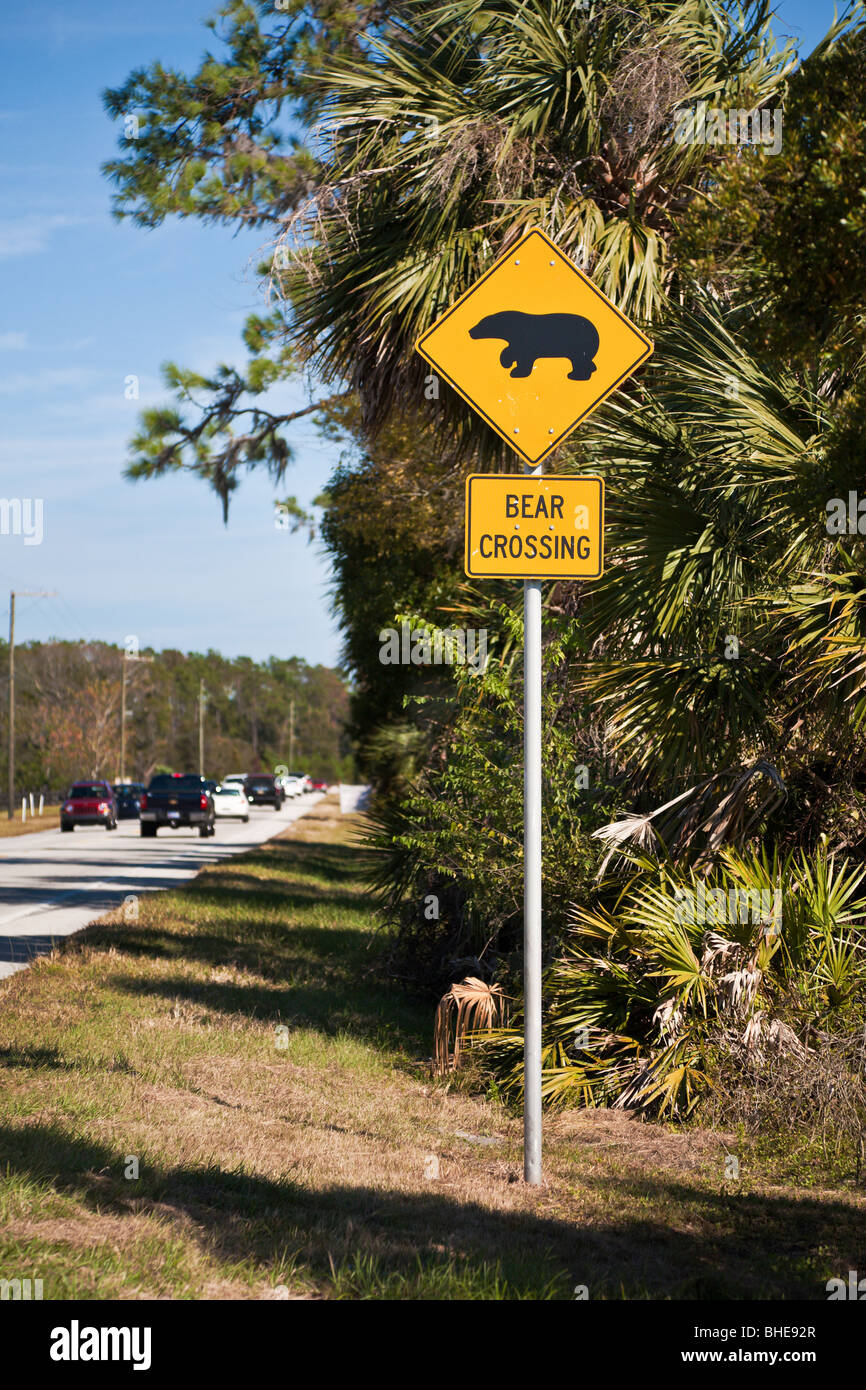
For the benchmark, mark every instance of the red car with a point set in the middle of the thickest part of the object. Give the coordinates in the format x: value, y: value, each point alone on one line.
x: 89, y: 803
x: 319, y: 787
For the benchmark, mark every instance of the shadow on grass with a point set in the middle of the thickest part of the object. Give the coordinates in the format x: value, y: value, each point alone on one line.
x: 259, y: 893
x: 35, y: 1057
x: 240, y: 907
x: 323, y: 976
x: 337, y: 862
x: 752, y: 1246
x: 329, y: 1006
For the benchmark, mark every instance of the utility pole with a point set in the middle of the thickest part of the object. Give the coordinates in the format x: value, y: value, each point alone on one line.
x: 22, y: 593
x: 125, y: 657
x: 201, y: 705
x: 291, y: 735
x: 11, y: 788
x: 123, y: 718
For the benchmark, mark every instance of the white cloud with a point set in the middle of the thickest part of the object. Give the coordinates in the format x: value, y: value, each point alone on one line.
x: 31, y: 234
x: 20, y: 342
x: 17, y: 383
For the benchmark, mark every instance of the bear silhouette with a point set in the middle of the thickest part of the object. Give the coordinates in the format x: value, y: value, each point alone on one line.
x: 530, y: 336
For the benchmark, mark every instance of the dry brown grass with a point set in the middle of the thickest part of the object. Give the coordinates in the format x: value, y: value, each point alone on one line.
x: 49, y: 820
x: 333, y: 1166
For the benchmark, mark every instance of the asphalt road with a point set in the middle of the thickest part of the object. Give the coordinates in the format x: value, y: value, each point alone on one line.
x: 53, y: 884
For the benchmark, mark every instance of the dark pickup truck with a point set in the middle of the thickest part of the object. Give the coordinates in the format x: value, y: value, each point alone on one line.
x: 262, y: 789
x: 175, y: 799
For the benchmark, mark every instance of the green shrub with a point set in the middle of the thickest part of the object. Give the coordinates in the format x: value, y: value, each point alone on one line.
x: 447, y: 851
x: 680, y: 981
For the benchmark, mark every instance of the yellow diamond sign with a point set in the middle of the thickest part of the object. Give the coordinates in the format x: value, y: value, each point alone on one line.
x: 534, y: 346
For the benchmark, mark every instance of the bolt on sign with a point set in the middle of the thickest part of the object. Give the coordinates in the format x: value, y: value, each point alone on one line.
x: 534, y: 346
x: 534, y: 527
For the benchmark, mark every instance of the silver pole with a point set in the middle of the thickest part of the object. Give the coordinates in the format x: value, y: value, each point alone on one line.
x: 532, y: 877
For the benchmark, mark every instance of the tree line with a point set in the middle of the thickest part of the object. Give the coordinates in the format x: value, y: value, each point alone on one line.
x: 256, y: 715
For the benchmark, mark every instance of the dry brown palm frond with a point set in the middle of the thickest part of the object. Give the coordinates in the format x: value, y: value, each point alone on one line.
x: 634, y: 830
x: 469, y: 1006
x: 742, y: 987
x: 715, y: 949
x: 669, y: 1020
x: 648, y: 82
x: 785, y: 1039
x: 728, y: 820
x: 754, y: 1028
x: 691, y: 820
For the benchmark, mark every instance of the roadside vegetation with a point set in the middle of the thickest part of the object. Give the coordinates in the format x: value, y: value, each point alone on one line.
x: 704, y: 701
x: 68, y: 708
x: 243, y: 1044
x: 49, y: 820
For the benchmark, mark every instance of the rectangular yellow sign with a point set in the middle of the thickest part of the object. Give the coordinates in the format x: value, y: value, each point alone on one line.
x: 534, y: 527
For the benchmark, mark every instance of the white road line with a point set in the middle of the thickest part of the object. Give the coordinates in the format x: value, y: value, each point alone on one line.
x: 24, y: 912
x: 52, y: 860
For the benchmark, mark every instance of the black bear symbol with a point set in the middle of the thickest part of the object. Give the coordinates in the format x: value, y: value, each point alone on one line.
x: 530, y: 336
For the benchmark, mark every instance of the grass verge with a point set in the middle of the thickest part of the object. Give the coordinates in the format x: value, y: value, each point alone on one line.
x: 49, y: 820
x: 226, y: 1099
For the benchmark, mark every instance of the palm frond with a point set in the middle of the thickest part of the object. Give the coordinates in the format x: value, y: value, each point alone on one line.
x: 470, y: 1007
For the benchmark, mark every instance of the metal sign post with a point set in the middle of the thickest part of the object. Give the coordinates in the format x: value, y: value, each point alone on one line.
x: 536, y: 526
x: 551, y: 318
x: 532, y: 877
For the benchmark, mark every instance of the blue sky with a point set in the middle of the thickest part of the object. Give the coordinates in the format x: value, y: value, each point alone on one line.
x: 88, y: 302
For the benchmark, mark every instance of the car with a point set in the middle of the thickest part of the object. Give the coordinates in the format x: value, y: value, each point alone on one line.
x: 234, y: 777
x: 89, y: 803
x: 229, y: 802
x: 299, y: 781
x: 320, y: 786
x: 175, y: 799
x: 263, y: 789
x: 292, y: 785
x: 128, y: 798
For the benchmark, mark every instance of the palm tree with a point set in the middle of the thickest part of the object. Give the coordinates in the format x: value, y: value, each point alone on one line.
x: 727, y: 635
x: 714, y: 501
x: 480, y: 118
